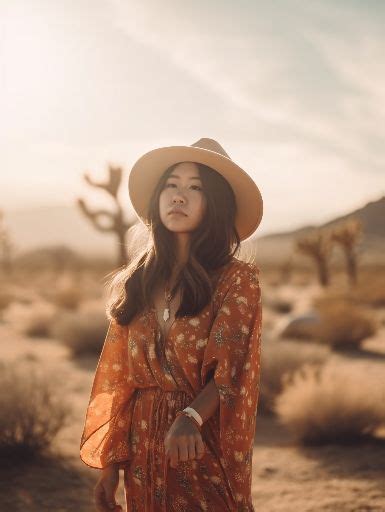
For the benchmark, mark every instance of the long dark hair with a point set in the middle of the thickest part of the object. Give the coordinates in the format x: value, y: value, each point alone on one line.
x: 212, y: 246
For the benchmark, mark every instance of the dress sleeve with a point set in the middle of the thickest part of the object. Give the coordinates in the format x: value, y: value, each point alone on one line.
x: 108, y: 416
x: 232, y: 354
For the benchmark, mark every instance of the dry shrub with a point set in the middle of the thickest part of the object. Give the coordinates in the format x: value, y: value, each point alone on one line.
x: 57, y: 258
x: 281, y: 359
x: 304, y: 327
x: 344, y: 325
x: 370, y: 289
x: 67, y: 298
x: 83, y: 331
x: 6, y: 298
x: 34, y: 319
x: 279, y: 305
x: 64, y: 294
x: 334, y: 404
x: 33, y: 409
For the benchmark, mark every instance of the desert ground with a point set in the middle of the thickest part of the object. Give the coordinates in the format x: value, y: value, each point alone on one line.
x: 287, y: 475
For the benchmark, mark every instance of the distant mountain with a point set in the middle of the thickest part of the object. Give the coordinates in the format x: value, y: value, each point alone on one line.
x: 278, y: 247
x: 65, y: 225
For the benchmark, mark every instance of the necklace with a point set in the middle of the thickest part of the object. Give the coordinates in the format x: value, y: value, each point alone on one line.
x: 167, y: 301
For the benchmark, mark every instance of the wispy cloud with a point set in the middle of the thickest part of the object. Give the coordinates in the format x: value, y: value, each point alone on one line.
x: 309, y: 72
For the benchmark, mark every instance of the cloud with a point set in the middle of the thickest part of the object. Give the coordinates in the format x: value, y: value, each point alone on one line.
x: 306, y: 72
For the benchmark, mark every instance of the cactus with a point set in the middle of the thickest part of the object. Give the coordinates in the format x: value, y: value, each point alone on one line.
x: 318, y: 247
x: 347, y: 235
x: 109, y: 221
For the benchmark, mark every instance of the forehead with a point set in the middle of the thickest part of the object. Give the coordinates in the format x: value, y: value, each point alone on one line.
x: 185, y: 170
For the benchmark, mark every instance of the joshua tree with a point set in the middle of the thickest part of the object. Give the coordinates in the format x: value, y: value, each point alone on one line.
x: 348, y: 235
x: 5, y: 246
x: 105, y: 220
x: 318, y: 247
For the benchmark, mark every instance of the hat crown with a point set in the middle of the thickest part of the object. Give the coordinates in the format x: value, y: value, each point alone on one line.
x: 211, y: 145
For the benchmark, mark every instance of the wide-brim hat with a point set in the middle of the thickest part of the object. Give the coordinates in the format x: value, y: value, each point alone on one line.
x: 148, y: 169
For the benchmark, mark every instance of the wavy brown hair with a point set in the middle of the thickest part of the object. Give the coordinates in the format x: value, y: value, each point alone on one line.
x: 212, y: 245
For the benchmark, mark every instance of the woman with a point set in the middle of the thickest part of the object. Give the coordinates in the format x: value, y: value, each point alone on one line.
x: 175, y: 393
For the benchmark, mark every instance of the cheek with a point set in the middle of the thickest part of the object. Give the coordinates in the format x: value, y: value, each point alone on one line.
x: 163, y: 202
x: 203, y: 206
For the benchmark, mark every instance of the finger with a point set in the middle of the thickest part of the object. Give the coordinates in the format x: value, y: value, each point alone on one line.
x: 173, y: 454
x: 183, y: 450
x: 191, y: 448
x: 199, y: 447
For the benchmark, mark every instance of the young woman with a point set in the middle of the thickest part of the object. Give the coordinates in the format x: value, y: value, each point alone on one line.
x: 175, y: 393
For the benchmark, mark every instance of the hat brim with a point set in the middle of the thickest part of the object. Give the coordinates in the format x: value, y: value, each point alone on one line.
x: 148, y: 169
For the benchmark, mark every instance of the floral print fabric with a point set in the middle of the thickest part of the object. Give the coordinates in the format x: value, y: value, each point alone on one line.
x: 142, y: 380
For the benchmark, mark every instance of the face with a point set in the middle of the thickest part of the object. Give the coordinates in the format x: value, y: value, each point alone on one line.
x: 182, y: 191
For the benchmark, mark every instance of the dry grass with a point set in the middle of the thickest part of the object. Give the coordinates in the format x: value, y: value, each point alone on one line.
x: 33, y: 410
x: 279, y: 304
x: 370, y: 288
x: 34, y: 320
x: 305, y: 328
x: 66, y: 294
x: 369, y: 291
x: 280, y: 359
x: 332, y: 404
x: 344, y: 325
x: 6, y: 298
x: 83, y: 331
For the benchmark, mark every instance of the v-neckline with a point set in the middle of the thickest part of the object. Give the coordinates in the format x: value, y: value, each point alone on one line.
x: 160, y: 331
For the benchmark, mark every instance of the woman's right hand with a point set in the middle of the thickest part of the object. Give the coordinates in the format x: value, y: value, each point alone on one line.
x: 105, y: 489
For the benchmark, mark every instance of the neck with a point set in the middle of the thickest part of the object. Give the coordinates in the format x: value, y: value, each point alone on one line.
x: 182, y: 249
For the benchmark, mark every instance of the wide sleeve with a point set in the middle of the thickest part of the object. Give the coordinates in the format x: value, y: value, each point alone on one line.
x: 108, y: 416
x: 232, y: 356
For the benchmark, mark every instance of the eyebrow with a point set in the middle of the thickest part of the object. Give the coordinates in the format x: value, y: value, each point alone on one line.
x: 176, y: 176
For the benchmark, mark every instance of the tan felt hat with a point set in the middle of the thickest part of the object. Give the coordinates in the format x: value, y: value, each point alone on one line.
x: 148, y: 169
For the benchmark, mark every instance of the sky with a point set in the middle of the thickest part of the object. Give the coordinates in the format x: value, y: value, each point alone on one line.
x: 294, y: 90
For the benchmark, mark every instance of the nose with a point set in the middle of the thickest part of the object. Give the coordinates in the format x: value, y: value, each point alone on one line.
x: 178, y: 197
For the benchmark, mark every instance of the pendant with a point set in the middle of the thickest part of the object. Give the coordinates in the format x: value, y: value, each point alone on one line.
x: 166, y: 314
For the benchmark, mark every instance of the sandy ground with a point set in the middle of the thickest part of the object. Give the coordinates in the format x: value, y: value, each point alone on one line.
x: 285, y: 477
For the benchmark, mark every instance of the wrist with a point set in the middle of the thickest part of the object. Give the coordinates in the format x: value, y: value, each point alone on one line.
x: 189, y: 418
x: 195, y: 414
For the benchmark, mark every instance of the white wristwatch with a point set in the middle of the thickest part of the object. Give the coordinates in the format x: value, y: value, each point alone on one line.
x: 194, y: 414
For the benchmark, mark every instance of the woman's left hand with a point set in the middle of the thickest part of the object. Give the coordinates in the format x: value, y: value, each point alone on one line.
x: 183, y: 441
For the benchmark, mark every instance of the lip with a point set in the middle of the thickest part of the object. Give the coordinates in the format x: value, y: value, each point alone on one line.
x: 179, y: 212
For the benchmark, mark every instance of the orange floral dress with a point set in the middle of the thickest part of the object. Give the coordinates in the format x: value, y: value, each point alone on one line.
x: 141, y: 381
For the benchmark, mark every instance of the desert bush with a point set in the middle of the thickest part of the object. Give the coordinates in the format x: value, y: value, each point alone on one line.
x: 6, y: 298
x: 303, y: 327
x: 370, y: 289
x: 67, y: 297
x: 279, y: 359
x: 84, y: 330
x: 344, y: 325
x: 32, y: 407
x: 33, y: 319
x: 332, y: 404
x: 279, y: 304
x: 65, y: 293
x: 54, y: 257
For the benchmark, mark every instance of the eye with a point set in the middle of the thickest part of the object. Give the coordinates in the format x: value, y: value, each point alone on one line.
x: 169, y: 184
x: 198, y: 187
